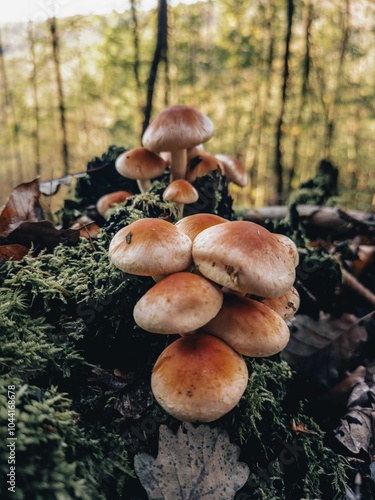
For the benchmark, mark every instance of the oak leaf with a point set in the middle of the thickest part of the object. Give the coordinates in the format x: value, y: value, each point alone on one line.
x: 196, y: 463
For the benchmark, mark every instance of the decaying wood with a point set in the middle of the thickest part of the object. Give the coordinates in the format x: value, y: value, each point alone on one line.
x: 323, y: 220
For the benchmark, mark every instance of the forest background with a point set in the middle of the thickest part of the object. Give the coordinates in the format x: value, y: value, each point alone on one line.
x: 285, y: 82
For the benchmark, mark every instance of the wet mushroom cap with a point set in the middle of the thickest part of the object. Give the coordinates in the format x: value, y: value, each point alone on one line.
x: 140, y: 163
x: 181, y: 191
x: 249, y: 327
x: 286, y: 306
x: 109, y: 200
x: 194, y: 224
x: 233, y: 169
x: 199, y: 378
x: 179, y: 303
x: 177, y: 127
x: 202, y: 165
x: 150, y: 247
x: 246, y: 257
x: 291, y: 247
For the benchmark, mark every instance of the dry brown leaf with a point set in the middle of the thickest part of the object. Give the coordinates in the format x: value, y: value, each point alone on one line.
x: 13, y: 252
x: 196, y: 463
x: 327, y: 348
x: 301, y: 427
x: 23, y: 205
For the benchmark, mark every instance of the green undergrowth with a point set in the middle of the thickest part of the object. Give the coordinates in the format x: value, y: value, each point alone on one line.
x: 82, y: 367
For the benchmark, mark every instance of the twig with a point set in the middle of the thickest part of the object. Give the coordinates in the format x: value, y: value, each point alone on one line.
x: 351, y: 282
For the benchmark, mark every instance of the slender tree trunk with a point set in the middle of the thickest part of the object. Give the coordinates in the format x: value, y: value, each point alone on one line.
x: 33, y: 82
x: 332, y: 108
x: 136, y: 63
x: 159, y: 55
x: 11, y: 119
x: 62, y: 109
x: 279, y: 168
x: 259, y: 166
x: 304, y: 91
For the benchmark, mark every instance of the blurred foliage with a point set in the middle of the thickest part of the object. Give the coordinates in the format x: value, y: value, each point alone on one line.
x: 226, y: 58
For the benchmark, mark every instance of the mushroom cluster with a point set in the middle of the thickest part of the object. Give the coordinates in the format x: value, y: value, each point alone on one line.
x: 175, y: 138
x: 226, y: 287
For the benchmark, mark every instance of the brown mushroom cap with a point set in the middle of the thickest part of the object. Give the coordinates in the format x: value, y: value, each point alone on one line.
x: 194, y: 224
x: 246, y: 257
x: 181, y: 191
x: 249, y: 327
x: 286, y: 306
x: 234, y: 169
x: 202, y: 165
x: 199, y: 378
x: 109, y: 200
x: 139, y: 163
x: 177, y: 127
x: 291, y: 247
x: 150, y: 247
x: 179, y: 303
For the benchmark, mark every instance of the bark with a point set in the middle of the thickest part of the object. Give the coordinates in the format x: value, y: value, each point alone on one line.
x: 60, y: 93
x: 320, y: 219
x: 304, y: 91
x: 136, y: 63
x: 160, y: 54
x: 11, y: 119
x: 279, y: 168
x: 259, y: 164
x: 34, y: 87
x: 330, y: 126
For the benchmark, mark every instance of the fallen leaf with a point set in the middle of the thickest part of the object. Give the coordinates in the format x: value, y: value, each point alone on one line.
x: 301, y: 427
x: 356, y: 430
x: 23, y: 205
x: 196, y: 463
x: 41, y: 234
x: 13, y: 252
x: 325, y: 349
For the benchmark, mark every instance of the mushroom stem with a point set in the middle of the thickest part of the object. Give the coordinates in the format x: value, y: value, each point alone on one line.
x: 144, y: 185
x: 178, y: 164
x: 180, y: 209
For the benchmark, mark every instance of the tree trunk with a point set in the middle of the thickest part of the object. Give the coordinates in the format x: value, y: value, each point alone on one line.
x: 136, y: 62
x: 279, y: 168
x: 33, y: 82
x: 330, y: 126
x: 11, y: 119
x: 259, y: 165
x: 159, y: 55
x: 62, y: 109
x: 304, y: 89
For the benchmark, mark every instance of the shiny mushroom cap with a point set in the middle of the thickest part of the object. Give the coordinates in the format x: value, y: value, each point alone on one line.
x: 246, y: 257
x: 177, y: 127
x: 194, y: 224
x: 107, y: 201
x: 202, y: 165
x: 179, y: 303
x: 199, y: 378
x: 249, y: 327
x: 140, y: 164
x: 234, y: 169
x: 181, y: 191
x: 149, y: 247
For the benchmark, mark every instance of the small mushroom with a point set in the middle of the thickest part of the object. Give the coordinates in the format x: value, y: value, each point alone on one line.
x: 286, y: 306
x: 181, y: 192
x: 234, y: 169
x: 109, y: 200
x: 249, y: 327
x: 246, y: 257
x: 202, y: 165
x: 179, y: 303
x: 199, y: 378
x: 194, y: 224
x: 150, y: 247
x: 177, y: 129
x: 142, y: 165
